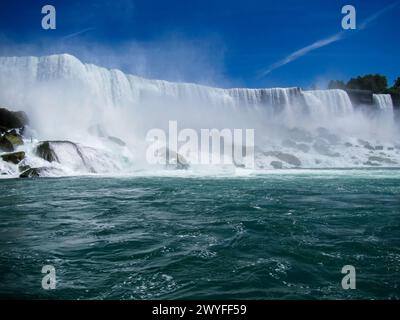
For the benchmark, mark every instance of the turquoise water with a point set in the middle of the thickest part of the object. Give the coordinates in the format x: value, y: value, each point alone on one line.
x: 272, y: 236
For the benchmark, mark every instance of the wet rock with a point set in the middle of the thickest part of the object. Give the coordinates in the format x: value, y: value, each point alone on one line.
x: 11, y: 119
x: 15, y: 157
x: 276, y: 164
x: 285, y: 157
x: 298, y: 146
x: 23, y: 167
x: 303, y: 147
x: 9, y: 140
x: 366, y: 144
x: 40, y: 172
x: 46, y: 152
x: 6, y: 145
x: 300, y: 135
x: 373, y: 164
x: 14, y: 138
x: 31, y: 173
x: 117, y: 141
x: 330, y: 137
x: 173, y: 160
x: 322, y: 147
x: 381, y: 160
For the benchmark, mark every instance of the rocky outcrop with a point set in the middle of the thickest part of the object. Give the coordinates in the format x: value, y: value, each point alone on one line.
x: 298, y: 146
x: 323, y: 148
x: 40, y: 172
x: 6, y: 145
x: 15, y: 157
x: 276, y: 164
x: 360, y: 97
x: 285, y: 157
x: 11, y: 119
x: 117, y: 141
x: 172, y: 159
x: 46, y: 152
x: 12, y: 124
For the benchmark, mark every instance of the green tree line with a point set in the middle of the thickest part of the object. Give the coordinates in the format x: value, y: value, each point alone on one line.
x: 374, y: 82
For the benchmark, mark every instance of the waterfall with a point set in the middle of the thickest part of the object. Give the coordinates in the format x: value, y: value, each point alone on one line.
x: 92, y: 106
x: 383, y: 102
x: 329, y: 102
x: 113, y: 88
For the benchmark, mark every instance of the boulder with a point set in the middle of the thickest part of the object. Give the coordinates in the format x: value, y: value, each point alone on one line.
x: 381, y: 160
x: 14, y: 138
x: 6, y: 145
x: 173, y: 160
x: 366, y: 144
x: 301, y: 135
x: 276, y: 164
x: 11, y: 119
x: 298, y: 146
x: 14, y: 157
x: 31, y: 172
x: 328, y: 136
x: 285, y: 157
x: 117, y: 141
x: 45, y: 151
x: 40, y: 172
x: 322, y: 147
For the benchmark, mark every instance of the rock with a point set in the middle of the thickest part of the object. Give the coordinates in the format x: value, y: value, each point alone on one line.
x: 15, y: 157
x: 14, y: 138
x: 366, y: 144
x: 40, y: 171
x: 369, y: 163
x: 116, y: 141
x: 23, y: 167
x: 298, y: 146
x: 301, y: 135
x: 46, y: 152
x: 381, y: 159
x: 348, y: 144
x: 378, y: 147
x: 173, y: 160
x: 6, y: 145
x: 289, y: 143
x: 322, y: 147
x: 9, y: 140
x: 276, y: 164
x: 285, y: 157
x: 303, y: 147
x: 330, y: 137
x: 31, y: 172
x: 11, y: 119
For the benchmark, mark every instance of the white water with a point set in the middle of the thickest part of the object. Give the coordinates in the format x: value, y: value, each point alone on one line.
x: 383, y: 102
x: 68, y: 100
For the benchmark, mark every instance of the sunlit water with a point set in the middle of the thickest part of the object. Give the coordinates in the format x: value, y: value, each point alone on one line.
x: 281, y: 236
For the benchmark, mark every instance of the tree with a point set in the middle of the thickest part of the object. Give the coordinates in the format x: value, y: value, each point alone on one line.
x: 397, y: 83
x: 336, y: 84
x: 373, y: 82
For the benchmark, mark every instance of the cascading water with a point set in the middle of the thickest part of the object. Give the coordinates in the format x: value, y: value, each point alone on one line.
x: 93, y: 106
x: 329, y: 102
x: 383, y: 102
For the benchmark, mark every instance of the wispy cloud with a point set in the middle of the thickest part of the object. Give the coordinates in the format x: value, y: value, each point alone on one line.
x: 77, y: 33
x: 324, y: 42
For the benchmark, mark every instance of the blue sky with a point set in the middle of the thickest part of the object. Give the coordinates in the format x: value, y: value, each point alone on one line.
x: 222, y: 43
